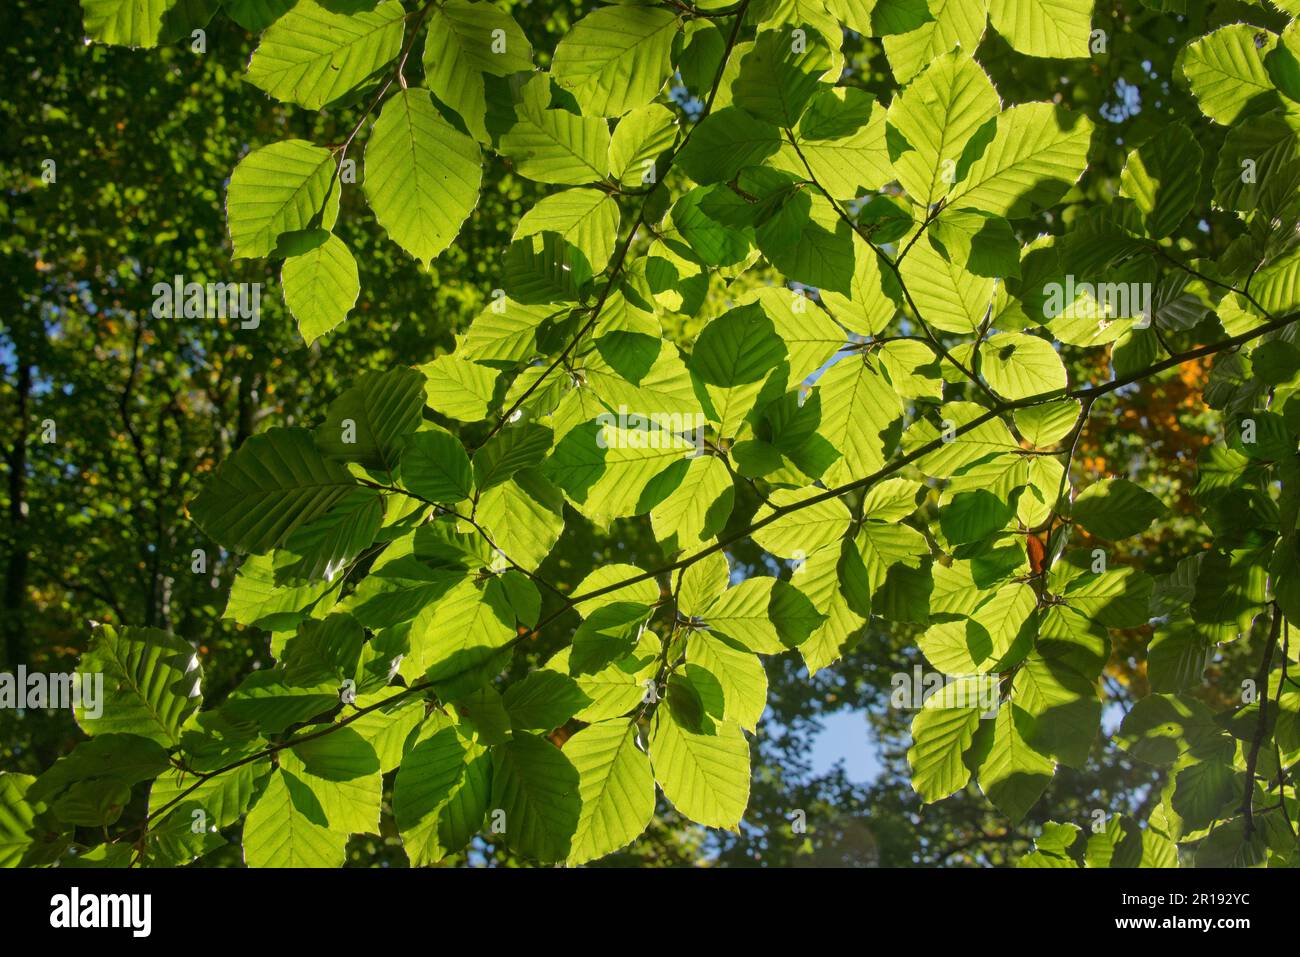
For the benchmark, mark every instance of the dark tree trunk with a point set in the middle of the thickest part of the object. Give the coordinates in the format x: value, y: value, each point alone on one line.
x: 15, y: 589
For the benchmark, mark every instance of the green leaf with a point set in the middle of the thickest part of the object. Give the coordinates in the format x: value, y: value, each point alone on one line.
x: 460, y: 631
x: 1176, y: 658
x: 732, y: 361
x: 644, y: 592
x: 223, y: 798
x: 1161, y: 728
x: 860, y: 414
x: 842, y: 138
x: 697, y: 507
x: 616, y: 786
x: 368, y: 422
x: 342, y: 771
x: 537, y: 787
x: 286, y: 828
x: 1045, y: 425
x: 324, y: 547
x: 705, y: 775
x: 620, y: 687
x: 1226, y: 73
x: 993, y: 638
x: 1202, y: 792
x: 151, y: 683
x: 609, y: 634
x: 545, y: 268
x: 811, y: 243
x: 16, y: 818
x: 947, y: 295
x: 510, y: 450
x: 605, y: 470
x: 314, y: 56
x: 256, y: 601
x: 524, y: 517
x: 764, y: 615
x: 272, y: 484
x: 982, y: 244
x: 724, y: 143
x: 323, y: 651
x: 957, y: 451
x: 136, y: 23
x: 1036, y: 152
x: 266, y: 699
x: 441, y: 777
x: 320, y: 285
x: 1267, y: 146
x: 585, y: 218
x: 1046, y: 28
x: 464, y: 41
x: 1067, y: 635
x: 638, y: 140
x: 616, y: 59
x: 1013, y: 775
x: 731, y: 683
x: 1019, y: 366
x: 458, y: 388
x: 701, y: 583
x: 810, y: 336
x: 1051, y: 847
x: 910, y: 45
x: 543, y: 701
x: 555, y: 146
x: 1116, y: 508
x: 1064, y: 706
x: 887, y: 17
x: 504, y: 331
x: 1163, y: 177
x: 422, y: 175
x: 435, y: 466
x: 279, y: 189
x: 1118, y: 844
x: 804, y: 528
x: 871, y: 301
x: 940, y: 736
x: 933, y: 118
x: 1116, y: 597
x: 1041, y: 496
x: 256, y: 15
x: 779, y: 75
x: 838, y: 585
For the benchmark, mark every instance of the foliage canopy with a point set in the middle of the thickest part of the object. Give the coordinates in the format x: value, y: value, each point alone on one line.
x: 860, y: 321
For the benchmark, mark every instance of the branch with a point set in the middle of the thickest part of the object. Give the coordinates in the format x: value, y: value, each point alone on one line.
x: 1087, y: 394
x: 1244, y: 293
x: 123, y: 407
x: 892, y: 266
x: 288, y: 743
x: 451, y: 512
x: 418, y: 17
x: 1252, y: 760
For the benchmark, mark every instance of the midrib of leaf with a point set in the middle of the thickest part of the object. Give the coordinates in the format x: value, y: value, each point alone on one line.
x: 139, y: 691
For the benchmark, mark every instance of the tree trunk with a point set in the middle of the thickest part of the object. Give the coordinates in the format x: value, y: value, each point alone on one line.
x: 15, y: 589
